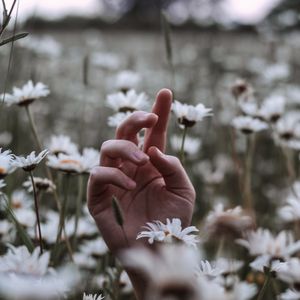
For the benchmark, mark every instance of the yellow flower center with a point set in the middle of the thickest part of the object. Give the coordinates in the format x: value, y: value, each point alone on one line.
x: 2, y: 170
x: 70, y: 161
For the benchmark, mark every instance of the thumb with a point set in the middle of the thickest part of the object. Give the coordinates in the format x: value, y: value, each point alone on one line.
x: 172, y: 172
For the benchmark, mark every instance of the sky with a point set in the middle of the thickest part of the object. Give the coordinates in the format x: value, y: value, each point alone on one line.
x: 244, y: 11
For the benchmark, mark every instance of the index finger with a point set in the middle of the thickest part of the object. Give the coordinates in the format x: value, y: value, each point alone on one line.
x: 156, y: 136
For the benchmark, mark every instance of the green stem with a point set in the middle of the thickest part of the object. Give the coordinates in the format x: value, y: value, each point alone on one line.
x: 36, y: 206
x: 33, y: 128
x: 78, y: 208
x: 49, y: 175
x: 220, y: 247
x: 62, y: 216
x: 264, y: 288
x: 182, y: 145
x: 248, y: 203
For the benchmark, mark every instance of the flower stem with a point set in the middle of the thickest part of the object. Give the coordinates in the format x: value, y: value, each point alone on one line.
x: 49, y: 175
x: 33, y: 128
x: 248, y: 203
x: 37, y: 212
x: 182, y: 145
x: 78, y: 208
x: 264, y: 288
x: 62, y: 215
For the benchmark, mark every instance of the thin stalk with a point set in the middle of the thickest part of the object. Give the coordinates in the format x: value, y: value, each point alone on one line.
x: 49, y: 175
x: 78, y: 208
x: 248, y: 201
x: 36, y: 206
x: 33, y: 128
x: 62, y: 215
x: 264, y: 288
x: 182, y: 145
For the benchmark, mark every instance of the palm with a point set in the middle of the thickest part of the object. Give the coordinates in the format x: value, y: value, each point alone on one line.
x: 151, y: 200
x: 149, y: 186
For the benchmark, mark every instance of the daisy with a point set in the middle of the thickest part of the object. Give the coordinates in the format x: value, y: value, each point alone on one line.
x: 126, y: 80
x: 129, y: 101
x: 291, y: 211
x: 241, y: 89
x: 272, y: 108
x: 248, y: 125
x: 30, y: 162
x: 191, y: 146
x: 61, y: 144
x: 41, y: 184
x: 92, y: 297
x: 289, y: 271
x: 268, y: 247
x: 84, y: 261
x: 75, y: 163
x: 169, y: 232
x: 116, y: 119
x: 171, y: 270
x: 6, y: 166
x: 290, y: 294
x: 232, y: 222
x: 188, y: 115
x: 95, y: 248
x: 27, y: 94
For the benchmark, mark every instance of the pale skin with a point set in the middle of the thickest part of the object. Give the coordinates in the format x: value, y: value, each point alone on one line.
x: 149, y: 184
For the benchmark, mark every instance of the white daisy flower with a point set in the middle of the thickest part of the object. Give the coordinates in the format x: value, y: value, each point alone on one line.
x: 92, y: 297
x: 19, y: 260
x: 248, y: 125
x: 30, y: 162
x: 289, y: 271
x: 188, y: 115
x: 95, y: 248
x: 41, y: 184
x: 84, y: 261
x: 116, y: 119
x: 269, y: 247
x: 272, y: 108
x: 209, y: 270
x: 249, y: 108
x: 232, y: 222
x: 86, y: 227
x: 27, y: 94
x: 5, y: 228
x: 6, y: 166
x: 171, y: 270
x: 75, y: 163
x: 62, y: 144
x: 291, y: 211
x: 20, y: 200
x: 129, y: 101
x: 213, y: 172
x: 126, y: 80
x: 55, y: 284
x: 290, y: 294
x: 191, y: 145
x: 169, y: 232
x: 241, y: 89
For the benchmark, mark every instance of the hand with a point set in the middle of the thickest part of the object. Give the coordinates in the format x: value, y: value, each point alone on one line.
x: 148, y: 184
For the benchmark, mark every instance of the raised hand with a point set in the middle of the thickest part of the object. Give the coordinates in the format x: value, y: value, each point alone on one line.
x: 148, y: 184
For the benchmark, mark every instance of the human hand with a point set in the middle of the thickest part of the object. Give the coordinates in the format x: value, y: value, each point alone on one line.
x: 148, y: 184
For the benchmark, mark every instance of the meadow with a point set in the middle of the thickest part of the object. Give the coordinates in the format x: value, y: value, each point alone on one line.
x: 242, y: 158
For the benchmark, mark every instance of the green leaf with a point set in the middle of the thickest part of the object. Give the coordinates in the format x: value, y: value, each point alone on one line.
x: 14, y: 38
x: 117, y: 211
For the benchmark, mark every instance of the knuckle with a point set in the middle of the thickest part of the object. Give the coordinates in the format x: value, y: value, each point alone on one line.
x: 105, y: 145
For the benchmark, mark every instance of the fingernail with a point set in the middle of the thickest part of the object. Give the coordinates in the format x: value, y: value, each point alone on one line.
x: 139, y: 155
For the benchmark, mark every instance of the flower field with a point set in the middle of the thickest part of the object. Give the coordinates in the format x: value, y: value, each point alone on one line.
x: 234, y: 126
